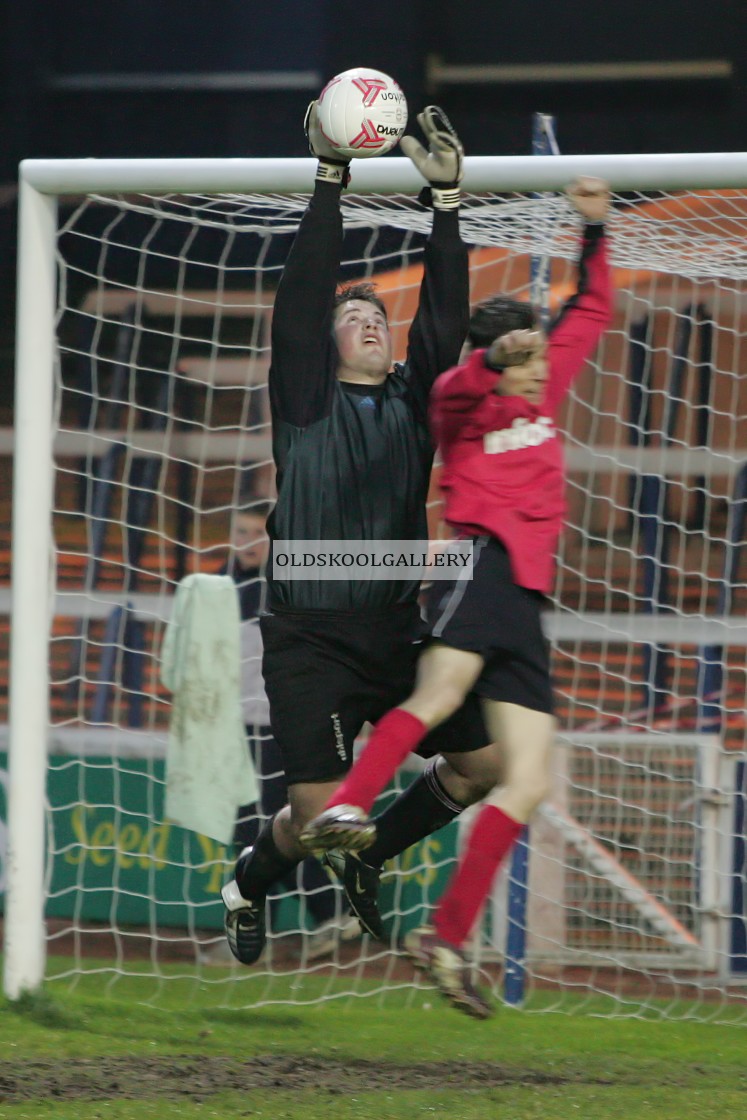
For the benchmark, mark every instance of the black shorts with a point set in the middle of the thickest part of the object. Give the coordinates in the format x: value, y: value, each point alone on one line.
x: 493, y: 616
x: 329, y: 672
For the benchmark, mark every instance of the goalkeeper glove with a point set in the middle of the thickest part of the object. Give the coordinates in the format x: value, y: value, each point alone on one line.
x: 443, y: 164
x: 332, y: 167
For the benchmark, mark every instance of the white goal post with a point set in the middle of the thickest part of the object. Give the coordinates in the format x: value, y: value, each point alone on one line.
x: 602, y: 627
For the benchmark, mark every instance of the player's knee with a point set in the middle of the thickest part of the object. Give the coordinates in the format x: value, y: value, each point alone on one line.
x: 300, y: 812
x: 466, y: 788
x: 471, y: 776
x: 479, y: 784
x: 287, y: 826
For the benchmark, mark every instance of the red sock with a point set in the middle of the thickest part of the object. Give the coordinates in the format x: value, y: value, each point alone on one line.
x: 392, y: 739
x: 493, y: 835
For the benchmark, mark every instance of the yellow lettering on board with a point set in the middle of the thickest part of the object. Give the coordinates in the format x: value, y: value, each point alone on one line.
x: 418, y: 862
x: 78, y: 824
x: 128, y: 841
x: 154, y: 847
x: 429, y: 850
x: 102, y: 841
x: 214, y: 863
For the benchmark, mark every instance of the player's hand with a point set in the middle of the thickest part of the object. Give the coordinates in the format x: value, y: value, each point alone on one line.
x: 319, y: 146
x: 591, y: 197
x: 515, y: 348
x: 442, y: 163
x: 332, y: 166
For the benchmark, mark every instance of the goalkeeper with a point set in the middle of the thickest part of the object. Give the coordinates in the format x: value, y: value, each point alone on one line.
x: 353, y: 453
x: 503, y: 482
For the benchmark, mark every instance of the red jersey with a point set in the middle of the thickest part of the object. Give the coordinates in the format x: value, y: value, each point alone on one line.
x: 503, y: 471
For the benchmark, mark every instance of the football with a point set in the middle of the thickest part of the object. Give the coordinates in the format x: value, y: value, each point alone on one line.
x: 362, y: 112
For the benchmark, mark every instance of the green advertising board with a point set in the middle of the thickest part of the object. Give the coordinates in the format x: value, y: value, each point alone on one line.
x: 115, y: 860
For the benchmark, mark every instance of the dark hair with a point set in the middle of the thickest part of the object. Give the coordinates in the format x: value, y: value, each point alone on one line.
x: 363, y: 291
x: 496, y: 316
x: 261, y: 509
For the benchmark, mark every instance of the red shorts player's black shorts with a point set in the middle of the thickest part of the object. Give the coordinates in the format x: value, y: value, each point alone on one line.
x: 327, y: 673
x: 491, y: 615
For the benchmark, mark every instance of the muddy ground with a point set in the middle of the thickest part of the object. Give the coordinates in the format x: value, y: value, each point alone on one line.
x: 200, y: 1077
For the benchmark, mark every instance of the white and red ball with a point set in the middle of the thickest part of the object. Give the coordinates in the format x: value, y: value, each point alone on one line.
x: 362, y: 112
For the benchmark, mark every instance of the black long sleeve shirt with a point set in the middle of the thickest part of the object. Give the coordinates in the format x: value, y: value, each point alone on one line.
x: 353, y: 461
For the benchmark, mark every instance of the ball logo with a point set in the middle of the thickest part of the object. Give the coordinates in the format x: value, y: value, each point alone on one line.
x: 368, y: 137
x: 370, y: 88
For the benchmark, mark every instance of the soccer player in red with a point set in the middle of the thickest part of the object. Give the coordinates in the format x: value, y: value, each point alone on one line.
x: 503, y: 479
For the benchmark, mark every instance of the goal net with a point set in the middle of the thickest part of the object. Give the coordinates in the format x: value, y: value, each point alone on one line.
x: 142, y: 428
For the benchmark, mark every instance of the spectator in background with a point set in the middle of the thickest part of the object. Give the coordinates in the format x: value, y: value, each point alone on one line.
x: 245, y: 564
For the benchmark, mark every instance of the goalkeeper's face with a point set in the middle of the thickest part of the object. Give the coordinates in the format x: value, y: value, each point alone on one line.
x: 364, y: 343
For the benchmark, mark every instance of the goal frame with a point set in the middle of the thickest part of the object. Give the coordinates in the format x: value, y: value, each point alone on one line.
x: 41, y: 182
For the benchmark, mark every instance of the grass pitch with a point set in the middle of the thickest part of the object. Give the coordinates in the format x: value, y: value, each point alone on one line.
x: 83, y: 1053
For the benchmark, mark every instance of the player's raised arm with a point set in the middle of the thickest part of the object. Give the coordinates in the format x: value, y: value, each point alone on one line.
x: 440, y: 325
x: 588, y: 313
x: 302, y: 368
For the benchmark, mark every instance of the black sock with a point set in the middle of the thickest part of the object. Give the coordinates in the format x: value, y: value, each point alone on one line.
x: 265, y: 864
x: 247, y: 828
x: 423, y: 808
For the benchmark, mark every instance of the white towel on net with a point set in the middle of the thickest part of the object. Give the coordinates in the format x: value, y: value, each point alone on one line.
x: 209, y: 772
